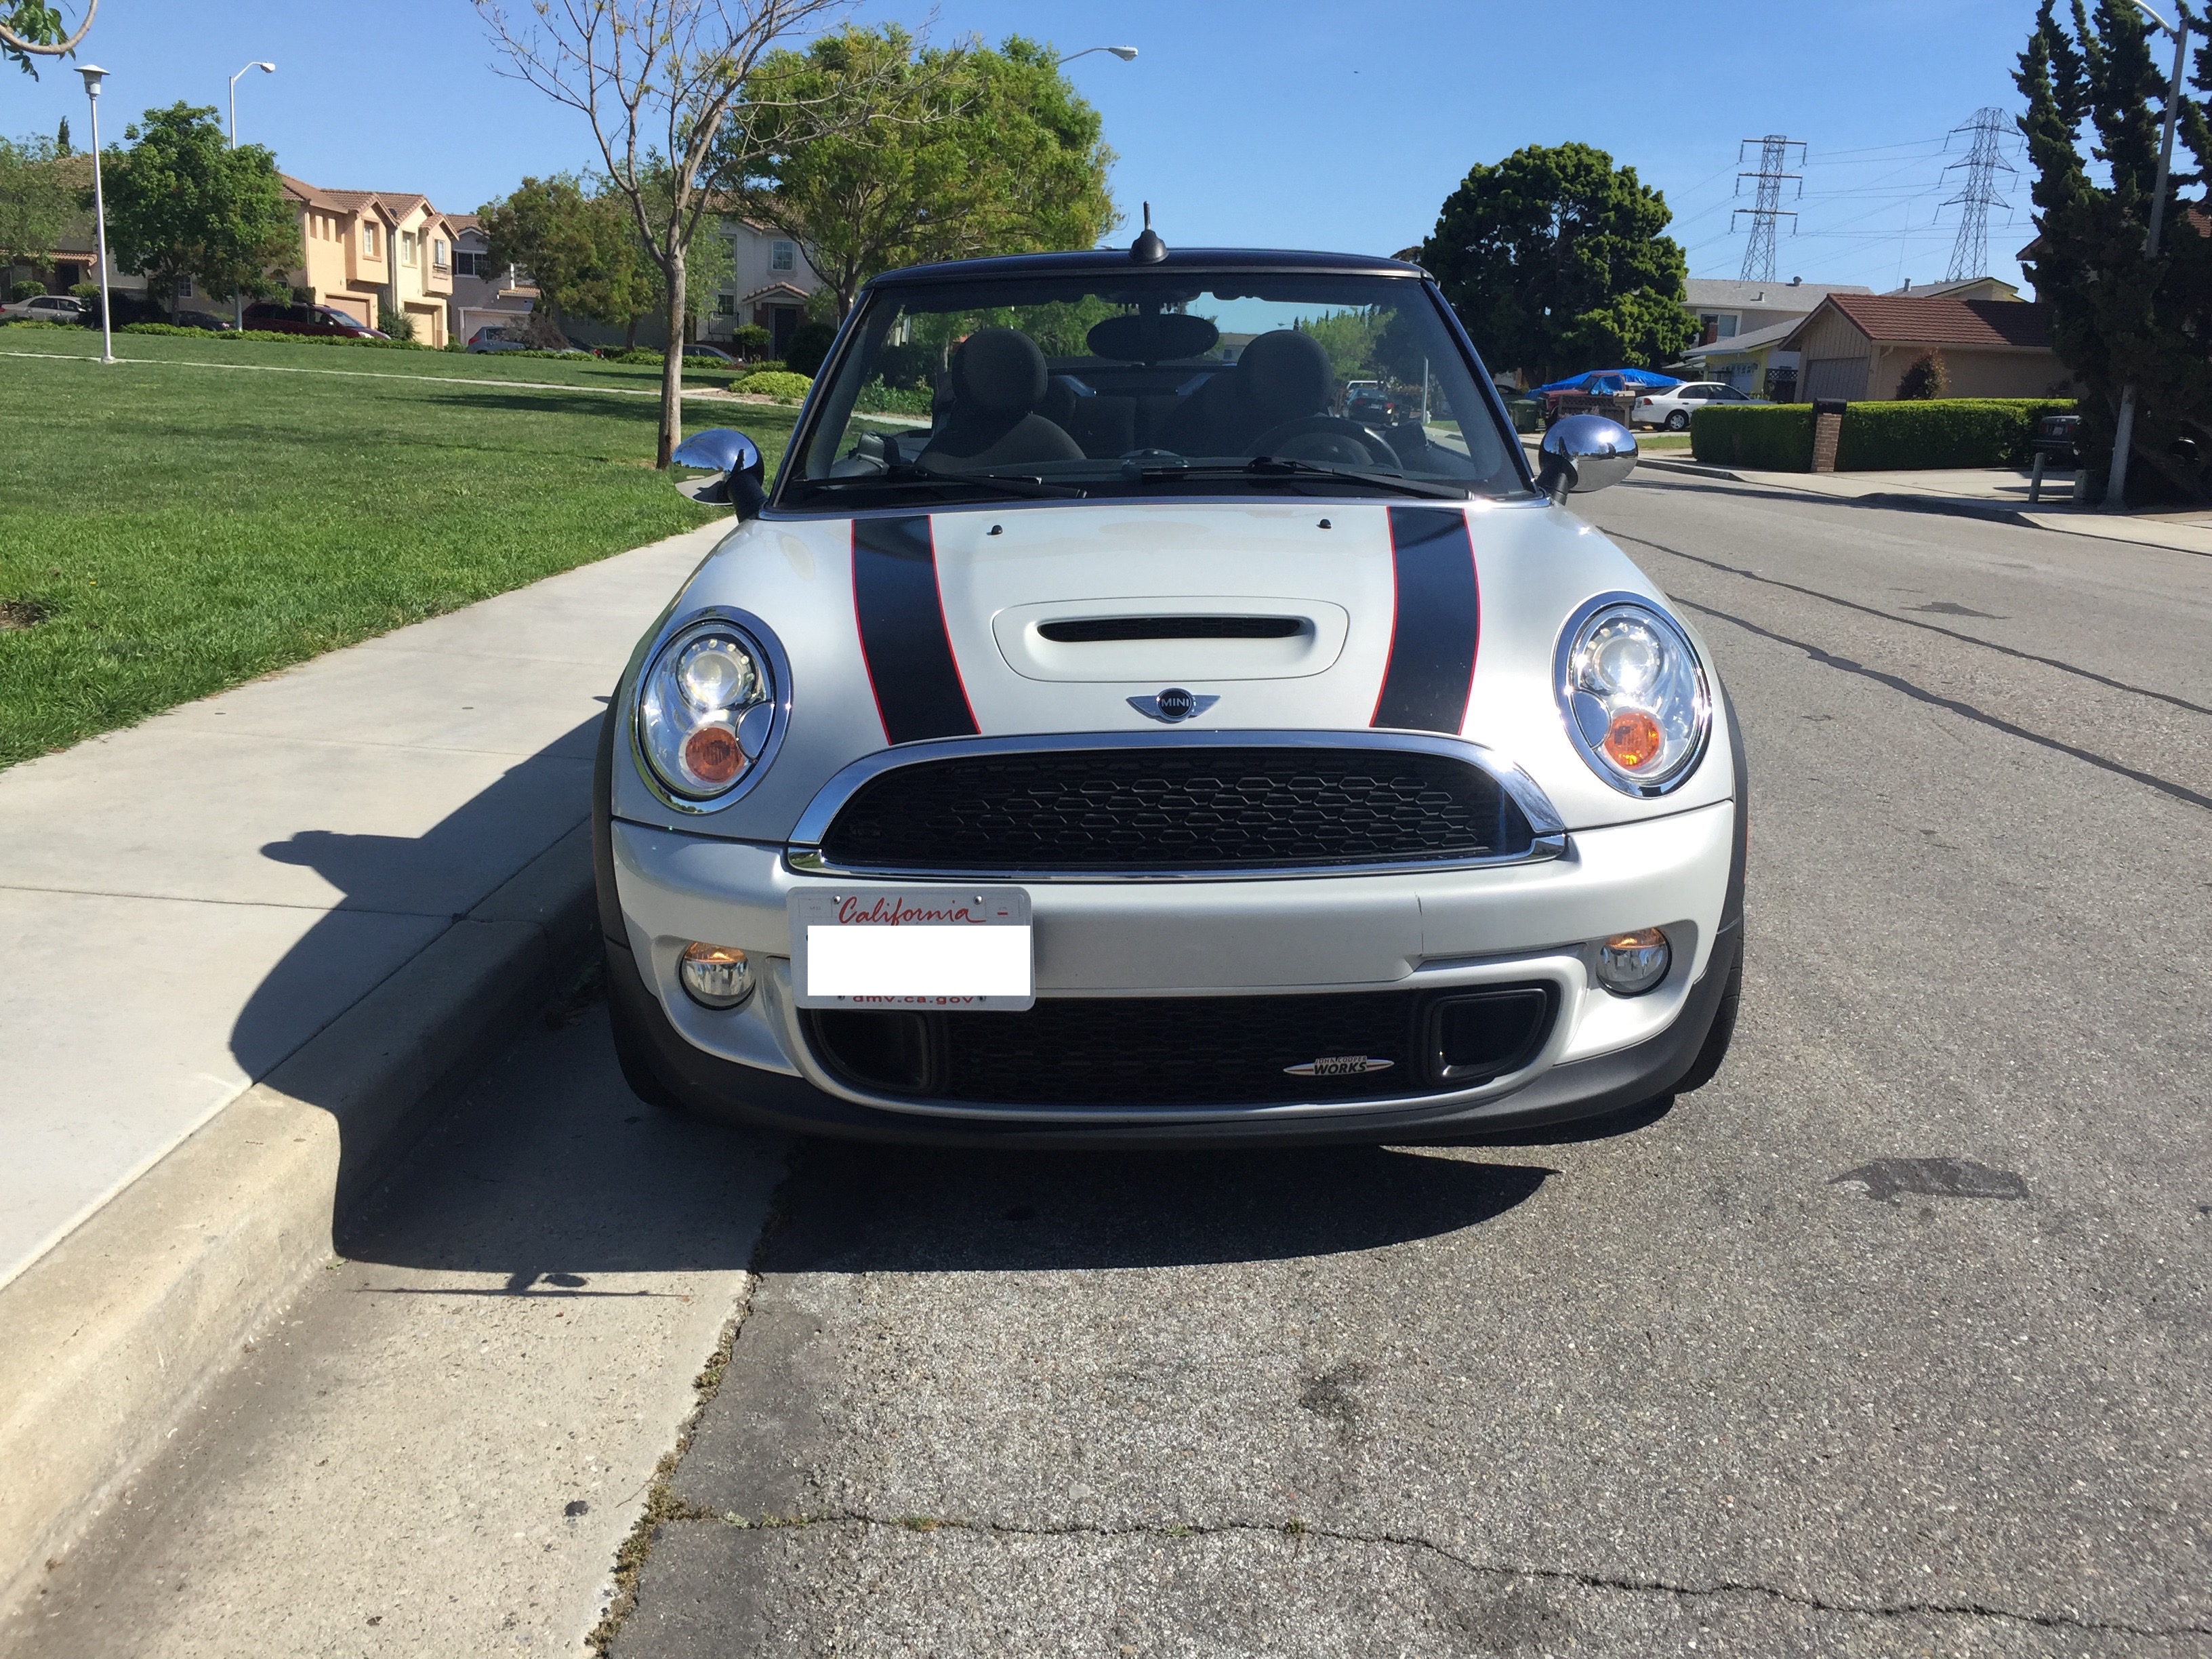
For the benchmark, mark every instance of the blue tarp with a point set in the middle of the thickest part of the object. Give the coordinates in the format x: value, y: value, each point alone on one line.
x: 1633, y: 377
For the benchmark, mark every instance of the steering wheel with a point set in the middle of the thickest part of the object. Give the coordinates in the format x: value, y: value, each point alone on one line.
x: 1327, y: 438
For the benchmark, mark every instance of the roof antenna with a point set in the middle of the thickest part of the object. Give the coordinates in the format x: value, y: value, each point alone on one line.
x: 1148, y: 249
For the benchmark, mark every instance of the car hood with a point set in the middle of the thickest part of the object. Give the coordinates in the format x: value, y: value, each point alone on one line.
x: 1337, y: 617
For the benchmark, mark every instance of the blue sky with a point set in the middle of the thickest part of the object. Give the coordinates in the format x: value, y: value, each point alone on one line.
x: 1285, y: 123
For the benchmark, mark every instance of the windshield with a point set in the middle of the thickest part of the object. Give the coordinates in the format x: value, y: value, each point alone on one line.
x: 1133, y: 382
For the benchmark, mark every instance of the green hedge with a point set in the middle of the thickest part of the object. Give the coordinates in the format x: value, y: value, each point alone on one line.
x: 1941, y: 432
x: 877, y: 399
x: 784, y: 386
x: 1876, y: 437
x: 1776, y: 439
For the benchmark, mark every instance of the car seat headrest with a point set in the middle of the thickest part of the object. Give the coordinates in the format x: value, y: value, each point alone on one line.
x: 999, y: 370
x: 1287, y: 370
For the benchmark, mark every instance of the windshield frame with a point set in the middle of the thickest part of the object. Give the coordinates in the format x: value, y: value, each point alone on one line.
x: 883, y: 289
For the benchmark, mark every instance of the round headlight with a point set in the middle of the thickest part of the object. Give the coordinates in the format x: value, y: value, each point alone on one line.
x: 692, y: 703
x: 1634, y: 695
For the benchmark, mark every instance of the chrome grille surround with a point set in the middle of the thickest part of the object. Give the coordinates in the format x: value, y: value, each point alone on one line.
x: 805, y: 853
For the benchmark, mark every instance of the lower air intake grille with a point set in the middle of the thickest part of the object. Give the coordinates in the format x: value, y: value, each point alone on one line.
x: 1192, y: 1051
x: 1170, y: 809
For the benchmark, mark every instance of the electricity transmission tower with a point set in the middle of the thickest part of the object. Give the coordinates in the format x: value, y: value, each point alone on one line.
x: 1766, y: 204
x: 1970, y: 253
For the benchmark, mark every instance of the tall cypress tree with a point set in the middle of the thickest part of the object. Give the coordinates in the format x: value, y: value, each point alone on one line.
x: 2117, y: 318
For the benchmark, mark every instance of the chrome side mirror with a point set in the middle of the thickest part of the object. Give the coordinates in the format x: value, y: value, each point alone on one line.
x: 733, y: 455
x: 1582, y: 453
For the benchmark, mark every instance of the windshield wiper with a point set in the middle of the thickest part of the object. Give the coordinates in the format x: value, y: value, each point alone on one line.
x: 1273, y: 466
x: 907, y: 473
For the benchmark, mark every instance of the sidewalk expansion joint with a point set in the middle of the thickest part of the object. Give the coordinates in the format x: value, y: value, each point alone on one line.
x: 239, y: 903
x: 1294, y: 1529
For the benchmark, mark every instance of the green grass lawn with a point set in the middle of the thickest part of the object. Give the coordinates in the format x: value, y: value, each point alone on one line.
x: 168, y: 529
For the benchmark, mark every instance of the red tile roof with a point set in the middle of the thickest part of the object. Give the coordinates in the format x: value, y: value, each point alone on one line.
x: 1913, y: 319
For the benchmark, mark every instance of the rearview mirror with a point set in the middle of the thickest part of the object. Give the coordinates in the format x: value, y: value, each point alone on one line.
x: 733, y: 455
x: 1582, y: 453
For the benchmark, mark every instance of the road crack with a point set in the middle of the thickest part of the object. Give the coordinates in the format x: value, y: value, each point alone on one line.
x: 1295, y: 1529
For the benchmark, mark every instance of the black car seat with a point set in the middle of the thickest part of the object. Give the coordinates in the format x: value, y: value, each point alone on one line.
x: 997, y: 377
x: 1282, y: 376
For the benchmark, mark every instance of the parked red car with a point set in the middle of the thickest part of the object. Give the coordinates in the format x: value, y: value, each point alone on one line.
x: 306, y: 319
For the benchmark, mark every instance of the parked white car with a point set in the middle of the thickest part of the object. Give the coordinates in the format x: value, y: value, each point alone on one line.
x: 1672, y: 409
x: 1140, y: 753
x: 47, y: 308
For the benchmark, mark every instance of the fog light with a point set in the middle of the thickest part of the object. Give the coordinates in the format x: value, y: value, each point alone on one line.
x: 1629, y: 964
x: 715, y: 976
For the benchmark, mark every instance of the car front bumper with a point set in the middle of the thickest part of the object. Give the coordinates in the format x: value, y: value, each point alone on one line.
x: 1427, y: 930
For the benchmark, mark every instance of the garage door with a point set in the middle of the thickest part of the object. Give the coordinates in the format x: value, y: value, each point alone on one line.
x: 1835, y: 377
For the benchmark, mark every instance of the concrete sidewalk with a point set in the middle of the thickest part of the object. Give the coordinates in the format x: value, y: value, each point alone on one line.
x: 1981, y: 492
x: 262, y: 922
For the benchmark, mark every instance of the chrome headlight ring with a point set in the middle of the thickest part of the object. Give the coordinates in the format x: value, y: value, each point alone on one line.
x: 714, y: 687
x: 1633, y: 694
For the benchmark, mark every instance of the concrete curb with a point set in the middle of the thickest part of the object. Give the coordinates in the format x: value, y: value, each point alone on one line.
x: 117, y: 1331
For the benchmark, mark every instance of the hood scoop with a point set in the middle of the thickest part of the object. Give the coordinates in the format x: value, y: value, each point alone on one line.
x: 1177, y: 640
x: 1100, y: 630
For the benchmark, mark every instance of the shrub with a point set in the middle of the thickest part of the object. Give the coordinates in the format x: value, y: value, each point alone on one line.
x: 85, y: 290
x: 877, y: 399
x: 1944, y: 432
x: 170, y: 328
x: 1778, y: 439
x: 810, y: 344
x: 784, y: 386
x: 1928, y: 378
x: 23, y: 291
x: 645, y: 355
x: 398, y: 324
x: 749, y: 342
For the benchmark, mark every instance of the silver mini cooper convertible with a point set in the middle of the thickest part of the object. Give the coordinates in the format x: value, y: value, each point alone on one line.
x: 1150, y: 745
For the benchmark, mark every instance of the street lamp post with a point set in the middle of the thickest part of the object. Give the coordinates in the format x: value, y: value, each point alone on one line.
x: 238, y: 299
x: 267, y: 69
x: 94, y: 74
x: 1125, y: 53
x: 2124, y: 434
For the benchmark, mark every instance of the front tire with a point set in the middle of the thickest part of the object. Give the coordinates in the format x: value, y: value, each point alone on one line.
x: 1678, y: 421
x: 1720, y: 1033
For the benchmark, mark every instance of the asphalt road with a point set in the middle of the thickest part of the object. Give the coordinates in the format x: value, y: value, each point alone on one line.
x: 1893, y: 1340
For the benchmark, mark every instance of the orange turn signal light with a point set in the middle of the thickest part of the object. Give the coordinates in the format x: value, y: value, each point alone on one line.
x: 713, y: 755
x: 1633, y: 740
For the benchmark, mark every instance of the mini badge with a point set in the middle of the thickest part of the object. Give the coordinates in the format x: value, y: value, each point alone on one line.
x: 1173, y: 704
x: 1340, y: 1065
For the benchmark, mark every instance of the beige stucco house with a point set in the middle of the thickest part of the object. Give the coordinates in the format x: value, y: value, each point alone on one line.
x: 1859, y: 345
x: 364, y: 248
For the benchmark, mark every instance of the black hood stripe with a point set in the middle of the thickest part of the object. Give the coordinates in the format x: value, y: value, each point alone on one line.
x: 904, y: 639
x: 1435, y: 623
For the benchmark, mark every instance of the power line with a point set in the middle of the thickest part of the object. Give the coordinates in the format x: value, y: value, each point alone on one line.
x: 1766, y: 202
x: 1970, y: 253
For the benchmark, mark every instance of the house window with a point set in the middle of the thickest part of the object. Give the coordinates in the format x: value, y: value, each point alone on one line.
x: 726, y: 305
x: 781, y: 256
x: 466, y: 264
x: 438, y: 252
x: 368, y: 240
x: 184, y: 288
x: 409, y: 243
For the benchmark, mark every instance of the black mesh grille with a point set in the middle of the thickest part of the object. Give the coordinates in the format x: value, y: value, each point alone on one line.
x: 1175, y: 809
x: 1174, y: 1051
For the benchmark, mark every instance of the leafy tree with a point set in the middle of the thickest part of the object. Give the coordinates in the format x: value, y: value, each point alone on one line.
x: 1927, y: 378
x: 62, y: 138
x: 1349, y: 337
x: 35, y: 202
x: 1555, y: 258
x: 2117, y: 318
x: 580, y: 249
x: 32, y: 28
x: 659, y: 81
x: 182, y: 203
x: 936, y: 154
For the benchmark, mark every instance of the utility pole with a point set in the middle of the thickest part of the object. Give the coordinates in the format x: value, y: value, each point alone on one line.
x: 2124, y: 435
x: 1970, y: 253
x: 1767, y: 201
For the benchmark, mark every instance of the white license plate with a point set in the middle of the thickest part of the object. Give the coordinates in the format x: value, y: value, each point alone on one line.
x: 913, y: 947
